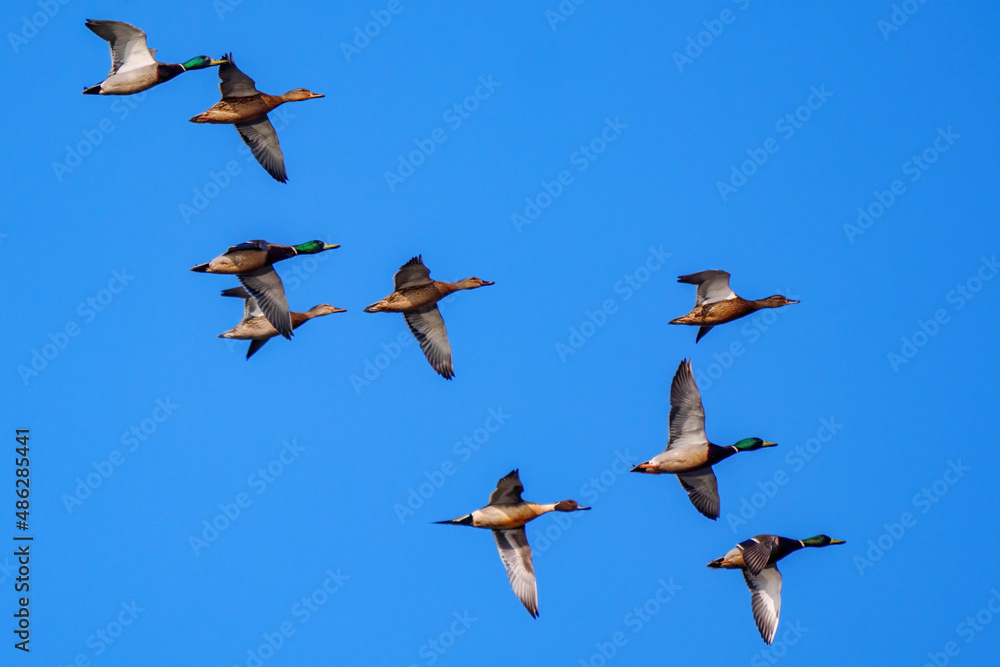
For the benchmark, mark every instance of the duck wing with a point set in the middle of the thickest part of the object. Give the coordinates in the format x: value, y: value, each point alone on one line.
x: 757, y: 552
x: 765, y: 589
x: 516, y: 556
x: 265, y: 285
x: 703, y: 489
x: 262, y: 139
x: 256, y: 345
x: 509, y: 490
x: 412, y: 274
x: 128, y: 45
x: 233, y: 82
x: 427, y: 327
x: 712, y: 286
x: 250, y: 307
x: 687, y: 414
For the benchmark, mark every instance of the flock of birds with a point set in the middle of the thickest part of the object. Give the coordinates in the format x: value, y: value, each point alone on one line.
x: 689, y: 454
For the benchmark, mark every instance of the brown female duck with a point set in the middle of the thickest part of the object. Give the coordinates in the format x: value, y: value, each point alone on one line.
x: 246, y: 107
x: 416, y: 296
x: 716, y: 303
x: 255, y: 327
x: 506, y: 516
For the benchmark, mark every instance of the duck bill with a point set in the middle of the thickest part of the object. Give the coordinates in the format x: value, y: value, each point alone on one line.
x: 212, y: 62
x: 838, y: 541
x: 313, y: 96
x: 769, y: 444
x: 330, y: 246
x: 488, y: 282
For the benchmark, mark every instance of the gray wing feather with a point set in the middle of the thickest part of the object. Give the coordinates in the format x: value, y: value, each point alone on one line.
x: 412, y: 274
x: 233, y: 82
x: 757, y: 552
x: 427, y: 327
x: 516, y: 556
x: 265, y: 285
x: 766, y: 600
x: 687, y: 414
x: 262, y: 139
x: 128, y: 44
x: 712, y: 286
x: 703, y: 489
x: 508, y: 491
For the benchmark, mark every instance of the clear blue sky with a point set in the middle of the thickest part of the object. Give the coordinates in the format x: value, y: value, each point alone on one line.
x: 752, y: 154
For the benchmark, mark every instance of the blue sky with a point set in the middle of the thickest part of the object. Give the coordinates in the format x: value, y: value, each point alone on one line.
x: 840, y: 155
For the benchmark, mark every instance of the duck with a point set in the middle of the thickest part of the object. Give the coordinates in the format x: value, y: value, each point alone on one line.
x: 506, y: 514
x: 246, y: 107
x: 758, y: 559
x: 689, y: 454
x: 133, y: 66
x: 252, y: 262
x: 255, y: 327
x: 416, y: 296
x: 716, y: 303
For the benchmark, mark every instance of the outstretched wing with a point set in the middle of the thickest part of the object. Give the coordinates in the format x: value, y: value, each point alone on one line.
x: 766, y: 600
x: 128, y: 44
x: 427, y: 327
x: 262, y: 139
x: 712, y: 286
x: 265, y: 286
x: 687, y: 414
x: 516, y: 556
x: 757, y: 552
x: 233, y: 82
x: 703, y: 489
x: 412, y: 274
x: 508, y: 491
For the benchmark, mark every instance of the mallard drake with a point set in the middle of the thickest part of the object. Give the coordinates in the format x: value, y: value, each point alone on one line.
x: 689, y: 454
x: 251, y: 263
x: 758, y: 558
x: 716, y: 303
x: 246, y: 107
x: 133, y: 68
x: 255, y: 327
x: 506, y: 516
x: 416, y: 296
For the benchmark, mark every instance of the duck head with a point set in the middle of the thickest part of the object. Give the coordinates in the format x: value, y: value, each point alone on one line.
x: 313, y: 247
x: 569, y: 506
x: 821, y: 541
x: 473, y: 283
x: 300, y: 94
x: 201, y: 62
x: 750, y: 444
x: 776, y: 301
